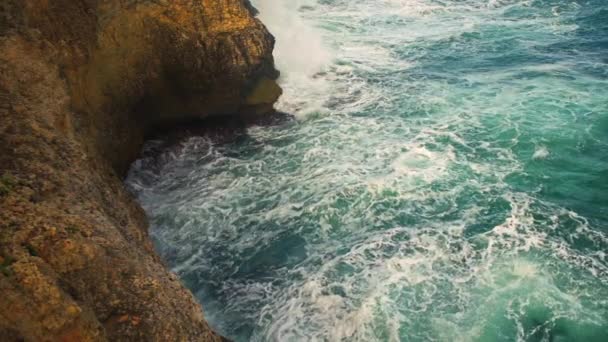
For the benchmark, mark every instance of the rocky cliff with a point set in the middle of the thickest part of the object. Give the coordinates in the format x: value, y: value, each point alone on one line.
x: 81, y: 83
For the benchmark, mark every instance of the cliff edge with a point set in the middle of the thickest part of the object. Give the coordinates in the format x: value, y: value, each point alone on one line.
x: 81, y: 83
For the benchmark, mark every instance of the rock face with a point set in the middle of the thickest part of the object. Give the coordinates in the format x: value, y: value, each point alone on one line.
x: 81, y: 83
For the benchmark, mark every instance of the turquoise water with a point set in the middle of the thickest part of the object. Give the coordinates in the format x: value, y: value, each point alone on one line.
x: 445, y: 179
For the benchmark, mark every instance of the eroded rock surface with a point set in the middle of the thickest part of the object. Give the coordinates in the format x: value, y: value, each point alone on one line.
x: 81, y: 82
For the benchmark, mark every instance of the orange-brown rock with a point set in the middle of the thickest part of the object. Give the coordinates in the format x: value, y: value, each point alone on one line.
x: 81, y: 83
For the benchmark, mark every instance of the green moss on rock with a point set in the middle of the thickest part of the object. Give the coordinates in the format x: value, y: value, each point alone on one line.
x: 266, y: 91
x: 7, y: 183
x: 5, y: 265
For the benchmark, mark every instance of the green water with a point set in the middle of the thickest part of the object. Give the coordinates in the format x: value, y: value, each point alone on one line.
x: 445, y: 179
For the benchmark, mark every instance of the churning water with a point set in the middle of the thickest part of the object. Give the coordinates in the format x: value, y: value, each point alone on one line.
x: 445, y: 179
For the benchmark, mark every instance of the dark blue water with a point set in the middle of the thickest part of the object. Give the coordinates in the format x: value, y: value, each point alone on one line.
x: 445, y: 179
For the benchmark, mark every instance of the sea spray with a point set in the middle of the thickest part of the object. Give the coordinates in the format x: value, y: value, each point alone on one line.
x: 300, y: 55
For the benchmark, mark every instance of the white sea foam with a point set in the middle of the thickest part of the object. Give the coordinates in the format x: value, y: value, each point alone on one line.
x: 541, y: 152
x: 396, y: 209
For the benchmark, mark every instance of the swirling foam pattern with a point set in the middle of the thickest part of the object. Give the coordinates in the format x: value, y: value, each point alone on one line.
x: 446, y: 179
